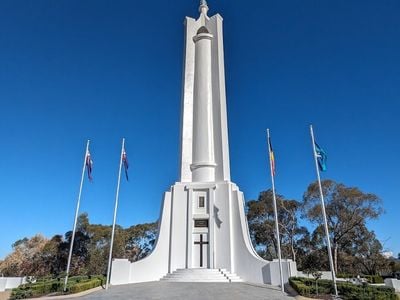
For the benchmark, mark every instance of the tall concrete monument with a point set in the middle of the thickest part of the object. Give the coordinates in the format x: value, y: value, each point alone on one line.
x: 203, y: 223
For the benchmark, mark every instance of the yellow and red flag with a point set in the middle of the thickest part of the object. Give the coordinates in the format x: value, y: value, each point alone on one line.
x: 271, y: 156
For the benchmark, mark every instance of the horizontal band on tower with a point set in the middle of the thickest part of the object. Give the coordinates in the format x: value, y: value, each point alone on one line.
x: 202, y: 36
x: 198, y: 165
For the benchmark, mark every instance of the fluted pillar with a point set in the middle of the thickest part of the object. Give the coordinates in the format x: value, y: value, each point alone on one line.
x: 203, y: 163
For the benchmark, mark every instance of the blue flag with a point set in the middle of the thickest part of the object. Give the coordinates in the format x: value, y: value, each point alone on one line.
x: 321, y: 157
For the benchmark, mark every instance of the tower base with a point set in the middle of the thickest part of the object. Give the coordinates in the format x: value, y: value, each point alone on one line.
x: 202, y: 225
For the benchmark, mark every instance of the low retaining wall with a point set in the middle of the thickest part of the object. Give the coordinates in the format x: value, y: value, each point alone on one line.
x: 8, y: 283
x: 325, y: 275
x: 394, y: 283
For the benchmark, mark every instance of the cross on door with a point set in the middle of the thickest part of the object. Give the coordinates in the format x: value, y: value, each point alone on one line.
x: 201, y: 243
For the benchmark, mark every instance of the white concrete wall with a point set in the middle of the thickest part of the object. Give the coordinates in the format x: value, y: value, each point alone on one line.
x: 8, y: 283
x: 152, y: 267
x: 177, y: 228
x: 222, y: 227
x: 325, y: 275
x: 247, y: 264
x: 3, y: 282
x: 394, y: 283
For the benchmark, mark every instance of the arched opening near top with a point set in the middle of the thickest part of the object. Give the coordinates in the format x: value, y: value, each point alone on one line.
x: 202, y: 29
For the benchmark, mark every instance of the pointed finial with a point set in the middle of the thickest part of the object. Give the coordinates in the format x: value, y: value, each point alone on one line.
x: 203, y: 9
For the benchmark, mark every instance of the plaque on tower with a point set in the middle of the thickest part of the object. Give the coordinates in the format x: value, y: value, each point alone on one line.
x: 201, y: 223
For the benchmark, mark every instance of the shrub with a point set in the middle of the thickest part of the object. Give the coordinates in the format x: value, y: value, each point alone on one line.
x: 300, y: 286
x: 36, y: 289
x: 78, y: 278
x: 345, y: 275
x: 348, y: 291
x: 83, y: 286
x: 374, y: 279
x: 75, y: 285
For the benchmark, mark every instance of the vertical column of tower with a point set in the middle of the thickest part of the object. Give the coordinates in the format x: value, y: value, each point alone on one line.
x: 203, y: 163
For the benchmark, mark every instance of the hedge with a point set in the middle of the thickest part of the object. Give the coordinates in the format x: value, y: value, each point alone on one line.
x: 345, y: 275
x: 36, y: 289
x: 83, y: 286
x: 374, y: 278
x: 348, y: 291
x: 75, y: 285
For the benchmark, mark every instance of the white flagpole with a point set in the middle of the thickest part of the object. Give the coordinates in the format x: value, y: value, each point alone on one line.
x: 328, y: 242
x: 76, y: 216
x: 115, y: 216
x: 278, y: 239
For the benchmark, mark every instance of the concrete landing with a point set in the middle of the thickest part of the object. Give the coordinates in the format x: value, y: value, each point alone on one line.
x: 188, y: 290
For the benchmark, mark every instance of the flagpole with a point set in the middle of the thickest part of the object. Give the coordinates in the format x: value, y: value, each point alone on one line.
x: 275, y: 213
x: 76, y: 216
x: 115, y: 216
x: 328, y: 243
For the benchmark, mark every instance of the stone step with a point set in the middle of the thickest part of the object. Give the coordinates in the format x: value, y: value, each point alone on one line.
x: 198, y: 272
x: 199, y: 275
x: 184, y: 279
x: 236, y: 280
x: 231, y: 276
x: 194, y: 275
x: 194, y: 279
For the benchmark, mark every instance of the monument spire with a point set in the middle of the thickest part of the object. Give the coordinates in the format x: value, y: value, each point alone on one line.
x: 203, y: 222
x: 203, y: 8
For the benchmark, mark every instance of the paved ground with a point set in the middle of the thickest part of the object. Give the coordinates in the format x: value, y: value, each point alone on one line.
x: 191, y: 291
x: 4, y: 295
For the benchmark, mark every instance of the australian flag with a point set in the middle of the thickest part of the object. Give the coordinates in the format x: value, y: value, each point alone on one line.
x: 126, y: 164
x: 321, y: 157
x: 89, y: 165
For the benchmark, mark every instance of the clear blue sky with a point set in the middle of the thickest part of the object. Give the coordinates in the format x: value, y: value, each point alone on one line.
x: 72, y: 70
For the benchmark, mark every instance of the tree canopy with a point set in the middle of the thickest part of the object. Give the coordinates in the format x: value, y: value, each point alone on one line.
x: 38, y: 256
x: 347, y: 210
x: 356, y: 249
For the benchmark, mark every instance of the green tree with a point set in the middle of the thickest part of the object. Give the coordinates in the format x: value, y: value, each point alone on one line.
x: 24, y: 258
x: 347, y: 209
x: 41, y: 257
x: 314, y: 261
x: 80, y: 251
x: 368, y: 253
x: 140, y: 240
x: 54, y: 256
x: 261, y: 221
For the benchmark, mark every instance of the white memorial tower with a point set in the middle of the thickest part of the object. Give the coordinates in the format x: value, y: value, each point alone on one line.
x: 203, y: 223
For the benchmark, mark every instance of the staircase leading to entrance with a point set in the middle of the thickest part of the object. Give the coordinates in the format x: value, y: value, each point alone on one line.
x: 201, y: 275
